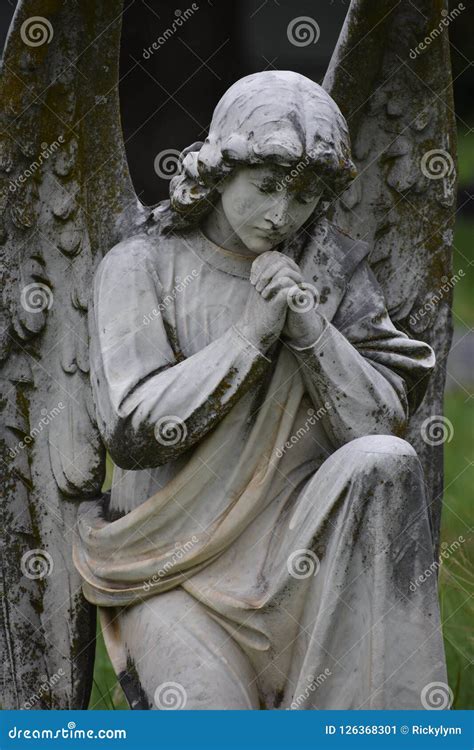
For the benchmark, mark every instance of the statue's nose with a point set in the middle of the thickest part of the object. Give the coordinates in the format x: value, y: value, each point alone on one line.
x: 277, y: 214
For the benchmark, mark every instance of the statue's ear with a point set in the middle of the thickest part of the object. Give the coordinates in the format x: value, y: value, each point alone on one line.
x: 403, y: 200
x: 66, y: 197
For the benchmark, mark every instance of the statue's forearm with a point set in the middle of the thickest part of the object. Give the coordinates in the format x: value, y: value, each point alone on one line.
x: 355, y: 396
x: 171, y: 411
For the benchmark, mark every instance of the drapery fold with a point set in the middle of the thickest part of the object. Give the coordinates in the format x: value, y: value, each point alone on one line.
x: 143, y: 553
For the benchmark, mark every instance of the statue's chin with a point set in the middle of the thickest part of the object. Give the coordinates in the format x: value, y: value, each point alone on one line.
x: 260, y: 244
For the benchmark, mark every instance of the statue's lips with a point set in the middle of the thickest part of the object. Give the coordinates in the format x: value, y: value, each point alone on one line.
x: 274, y: 236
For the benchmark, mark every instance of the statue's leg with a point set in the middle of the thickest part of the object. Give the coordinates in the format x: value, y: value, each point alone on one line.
x: 370, y: 634
x: 179, y: 657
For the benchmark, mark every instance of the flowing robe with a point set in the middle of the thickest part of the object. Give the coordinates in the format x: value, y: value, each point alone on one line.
x: 262, y: 501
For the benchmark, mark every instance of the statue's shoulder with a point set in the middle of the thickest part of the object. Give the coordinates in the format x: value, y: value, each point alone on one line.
x: 144, y: 249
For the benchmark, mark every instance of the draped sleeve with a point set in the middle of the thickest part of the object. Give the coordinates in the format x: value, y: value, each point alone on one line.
x: 150, y: 406
x: 367, y: 376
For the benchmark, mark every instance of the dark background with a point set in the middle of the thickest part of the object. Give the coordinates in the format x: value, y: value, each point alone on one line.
x: 168, y: 99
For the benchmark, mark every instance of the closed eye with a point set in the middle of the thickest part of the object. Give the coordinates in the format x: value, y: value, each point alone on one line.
x: 266, y: 188
x: 305, y: 198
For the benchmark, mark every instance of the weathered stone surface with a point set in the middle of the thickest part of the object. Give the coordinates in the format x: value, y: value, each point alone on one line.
x: 401, y: 118
x: 65, y: 194
x: 255, y: 415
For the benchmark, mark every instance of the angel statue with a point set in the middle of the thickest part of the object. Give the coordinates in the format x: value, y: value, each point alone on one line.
x: 250, y: 355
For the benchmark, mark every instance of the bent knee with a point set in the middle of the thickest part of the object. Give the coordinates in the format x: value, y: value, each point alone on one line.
x: 382, y: 444
x: 385, y: 452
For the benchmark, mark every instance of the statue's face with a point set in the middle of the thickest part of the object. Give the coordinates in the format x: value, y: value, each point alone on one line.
x: 266, y: 204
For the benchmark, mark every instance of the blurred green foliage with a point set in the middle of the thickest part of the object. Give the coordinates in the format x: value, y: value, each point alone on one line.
x: 463, y: 256
x: 466, y: 157
x: 457, y: 571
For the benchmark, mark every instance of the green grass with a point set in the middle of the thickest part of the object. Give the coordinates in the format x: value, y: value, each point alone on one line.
x: 457, y: 572
x: 106, y: 691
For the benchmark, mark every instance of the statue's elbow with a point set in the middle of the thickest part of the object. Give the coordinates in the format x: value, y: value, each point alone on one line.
x: 135, y: 450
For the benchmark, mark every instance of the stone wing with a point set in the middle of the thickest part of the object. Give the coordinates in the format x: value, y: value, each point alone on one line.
x: 66, y: 197
x: 390, y: 74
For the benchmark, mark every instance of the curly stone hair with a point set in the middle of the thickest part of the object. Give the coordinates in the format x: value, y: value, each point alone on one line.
x: 273, y: 117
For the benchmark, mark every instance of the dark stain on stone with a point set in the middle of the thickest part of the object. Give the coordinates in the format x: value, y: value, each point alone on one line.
x: 132, y: 688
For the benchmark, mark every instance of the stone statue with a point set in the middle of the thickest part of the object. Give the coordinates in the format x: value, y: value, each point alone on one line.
x: 254, y: 376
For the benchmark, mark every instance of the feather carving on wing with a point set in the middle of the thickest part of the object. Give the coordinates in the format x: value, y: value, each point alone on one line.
x: 66, y: 198
x: 395, y: 90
